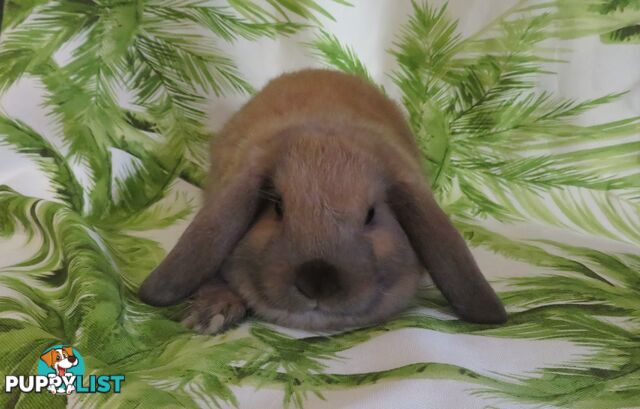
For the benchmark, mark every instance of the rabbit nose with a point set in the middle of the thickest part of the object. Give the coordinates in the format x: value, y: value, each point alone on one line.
x: 317, y: 279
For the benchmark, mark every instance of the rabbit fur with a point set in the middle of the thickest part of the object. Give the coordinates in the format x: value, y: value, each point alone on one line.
x: 317, y: 215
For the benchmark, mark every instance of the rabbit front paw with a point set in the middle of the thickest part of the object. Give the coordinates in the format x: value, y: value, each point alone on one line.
x: 214, y: 308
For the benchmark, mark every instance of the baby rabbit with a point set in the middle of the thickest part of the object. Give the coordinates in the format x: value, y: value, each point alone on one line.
x: 317, y: 216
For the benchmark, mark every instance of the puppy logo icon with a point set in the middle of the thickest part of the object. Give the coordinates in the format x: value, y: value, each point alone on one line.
x: 62, y: 362
x: 61, y: 372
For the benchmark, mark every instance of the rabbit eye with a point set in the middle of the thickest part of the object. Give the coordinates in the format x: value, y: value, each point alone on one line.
x: 278, y: 208
x: 370, y: 215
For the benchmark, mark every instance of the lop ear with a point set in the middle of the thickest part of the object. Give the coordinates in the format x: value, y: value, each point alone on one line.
x: 223, y: 220
x: 443, y: 252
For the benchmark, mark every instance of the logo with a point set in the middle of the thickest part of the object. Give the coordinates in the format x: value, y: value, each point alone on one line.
x: 61, y: 371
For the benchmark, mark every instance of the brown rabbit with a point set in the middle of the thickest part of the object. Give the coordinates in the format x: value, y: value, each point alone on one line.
x: 317, y: 216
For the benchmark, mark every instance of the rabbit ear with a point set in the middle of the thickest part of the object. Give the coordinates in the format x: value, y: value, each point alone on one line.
x: 217, y: 227
x: 443, y: 252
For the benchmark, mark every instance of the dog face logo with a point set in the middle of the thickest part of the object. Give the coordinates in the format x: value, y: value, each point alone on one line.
x: 64, y: 363
x: 60, y: 359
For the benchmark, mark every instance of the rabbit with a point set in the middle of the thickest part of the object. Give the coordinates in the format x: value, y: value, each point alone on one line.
x: 317, y: 216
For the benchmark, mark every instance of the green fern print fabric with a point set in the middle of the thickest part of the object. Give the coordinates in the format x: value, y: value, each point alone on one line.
x: 528, y: 117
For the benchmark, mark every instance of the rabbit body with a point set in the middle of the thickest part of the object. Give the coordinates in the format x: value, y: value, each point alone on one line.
x: 317, y: 215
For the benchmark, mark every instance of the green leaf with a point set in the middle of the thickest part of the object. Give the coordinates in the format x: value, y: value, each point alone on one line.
x: 25, y: 140
x: 333, y: 53
x: 32, y: 43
